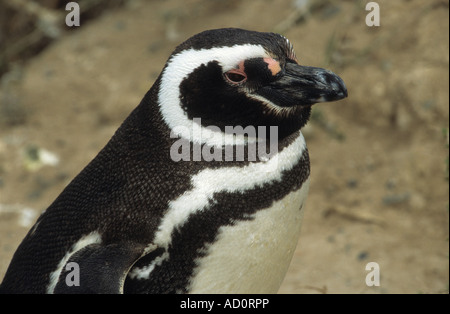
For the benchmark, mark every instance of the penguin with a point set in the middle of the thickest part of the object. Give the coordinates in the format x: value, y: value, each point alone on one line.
x: 184, y: 198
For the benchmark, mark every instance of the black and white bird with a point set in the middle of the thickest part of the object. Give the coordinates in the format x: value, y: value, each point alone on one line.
x: 177, y: 201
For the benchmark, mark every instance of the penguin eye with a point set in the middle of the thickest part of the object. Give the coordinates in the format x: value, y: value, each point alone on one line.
x: 236, y: 77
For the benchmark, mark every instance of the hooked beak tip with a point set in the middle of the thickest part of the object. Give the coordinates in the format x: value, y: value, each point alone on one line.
x: 336, y: 87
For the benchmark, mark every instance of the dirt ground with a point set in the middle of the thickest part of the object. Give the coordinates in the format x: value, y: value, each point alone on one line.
x: 379, y: 187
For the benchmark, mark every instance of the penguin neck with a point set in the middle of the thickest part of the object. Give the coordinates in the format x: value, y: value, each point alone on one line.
x: 144, y: 134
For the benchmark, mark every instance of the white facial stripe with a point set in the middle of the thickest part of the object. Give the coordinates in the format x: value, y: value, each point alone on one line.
x: 210, y: 181
x: 271, y: 107
x: 178, y: 68
x: 93, y: 237
x: 268, y: 103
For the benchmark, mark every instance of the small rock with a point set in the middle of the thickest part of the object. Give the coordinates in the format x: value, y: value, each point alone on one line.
x: 395, y: 199
x: 35, y: 158
x: 352, y: 183
x: 363, y: 255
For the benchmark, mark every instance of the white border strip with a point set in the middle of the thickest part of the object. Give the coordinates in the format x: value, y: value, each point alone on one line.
x: 178, y: 68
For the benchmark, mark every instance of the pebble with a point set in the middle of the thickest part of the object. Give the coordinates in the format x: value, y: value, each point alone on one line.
x: 395, y: 199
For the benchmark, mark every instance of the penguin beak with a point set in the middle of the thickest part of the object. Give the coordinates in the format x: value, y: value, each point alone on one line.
x: 304, y: 86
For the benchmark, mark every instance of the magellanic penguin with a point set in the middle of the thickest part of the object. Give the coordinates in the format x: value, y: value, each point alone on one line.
x: 182, y: 199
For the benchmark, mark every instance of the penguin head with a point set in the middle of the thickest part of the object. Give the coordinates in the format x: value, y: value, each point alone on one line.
x: 235, y: 77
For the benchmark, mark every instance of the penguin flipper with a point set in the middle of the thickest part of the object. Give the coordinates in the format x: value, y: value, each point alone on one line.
x: 99, y: 268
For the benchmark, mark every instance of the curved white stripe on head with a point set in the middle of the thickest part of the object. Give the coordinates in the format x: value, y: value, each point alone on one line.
x: 178, y: 68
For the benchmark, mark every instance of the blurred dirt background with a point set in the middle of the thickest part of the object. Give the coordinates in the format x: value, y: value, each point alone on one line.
x: 379, y: 189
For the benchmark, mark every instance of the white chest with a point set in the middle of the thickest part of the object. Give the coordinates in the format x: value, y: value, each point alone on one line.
x: 253, y: 256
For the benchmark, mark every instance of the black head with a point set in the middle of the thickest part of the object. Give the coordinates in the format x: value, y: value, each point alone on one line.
x: 235, y: 77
